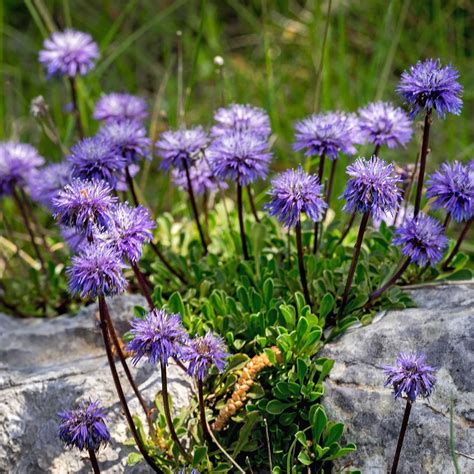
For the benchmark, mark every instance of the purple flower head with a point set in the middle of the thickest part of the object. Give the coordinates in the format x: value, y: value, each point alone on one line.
x: 327, y: 134
x: 74, y: 239
x: 294, y: 192
x: 158, y: 337
x: 193, y: 470
x: 411, y: 377
x: 97, y: 158
x: 181, y: 146
x: 422, y: 239
x: 203, y: 352
x: 453, y: 189
x: 115, y: 107
x: 429, y: 86
x: 97, y: 271
x: 83, y: 204
x: 240, y: 156
x: 371, y: 187
x: 241, y: 118
x: 381, y: 123
x: 68, y: 53
x: 128, y: 229
x: 45, y: 183
x: 129, y: 138
x: 84, y: 427
x: 17, y: 162
x: 202, y: 177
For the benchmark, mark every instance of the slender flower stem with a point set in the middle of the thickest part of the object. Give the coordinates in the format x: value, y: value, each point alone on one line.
x: 27, y: 223
x: 299, y: 246
x: 207, y: 429
x: 348, y: 227
x: 423, y: 155
x: 401, y: 437
x: 355, y: 258
x: 103, y: 311
x: 94, y: 462
x: 252, y: 203
x: 143, y: 284
x: 377, y: 150
x: 167, y: 264
x: 194, y: 206
x: 447, y: 220
x: 169, y: 419
x: 322, y: 159
x: 131, y: 186
x: 330, y: 184
x: 240, y: 209
x: 75, y: 107
x: 455, y: 250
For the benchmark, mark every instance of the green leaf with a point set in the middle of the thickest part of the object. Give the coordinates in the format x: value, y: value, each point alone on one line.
x: 464, y: 274
x: 134, y: 458
x: 343, y: 451
x: 245, y: 432
x: 318, y: 421
x: 304, y: 458
x: 176, y: 305
x: 326, y: 306
x: 301, y: 369
x: 276, y: 407
x: 301, y: 437
x: 301, y: 329
x: 200, y: 452
x: 268, y: 287
x: 335, y: 433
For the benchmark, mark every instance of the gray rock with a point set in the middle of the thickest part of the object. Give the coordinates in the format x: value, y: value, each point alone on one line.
x: 442, y: 327
x: 50, y: 365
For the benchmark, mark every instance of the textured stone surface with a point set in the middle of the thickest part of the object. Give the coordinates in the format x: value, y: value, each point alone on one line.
x: 442, y: 327
x: 49, y: 365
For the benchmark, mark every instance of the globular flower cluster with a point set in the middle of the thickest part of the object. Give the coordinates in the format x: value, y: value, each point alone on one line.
x: 84, y: 427
x: 45, y: 183
x: 372, y: 188
x: 452, y: 188
x: 328, y: 134
x: 294, y: 192
x: 17, y: 162
x: 116, y: 107
x: 411, y: 376
x: 422, y: 239
x: 69, y: 53
x: 428, y: 85
x: 381, y: 123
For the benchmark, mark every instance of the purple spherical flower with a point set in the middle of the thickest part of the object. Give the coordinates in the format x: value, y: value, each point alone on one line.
x: 181, y: 147
x: 381, y: 123
x: 326, y: 134
x: 129, y: 137
x: 411, y: 377
x: 97, y: 158
x: 240, y: 156
x: 241, y: 118
x: 422, y: 239
x: 294, y: 192
x: 115, y: 107
x: 453, y: 189
x: 97, y: 271
x: 17, y: 162
x: 84, y: 427
x: 371, y: 188
x: 158, y: 337
x: 45, y: 183
x: 83, y: 204
x: 203, y: 352
x: 128, y: 229
x: 429, y: 86
x: 68, y: 53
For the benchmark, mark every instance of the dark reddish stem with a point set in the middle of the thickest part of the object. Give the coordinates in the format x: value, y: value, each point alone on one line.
x: 131, y: 186
x: 143, y: 284
x: 330, y: 183
x: 423, y: 155
x: 252, y: 203
x: 456, y: 248
x: 165, y: 262
x: 348, y: 227
x: 377, y: 150
x: 75, y: 106
x: 447, y: 220
x: 94, y: 462
x: 401, y: 437
x: 322, y: 159
x: 240, y: 209
x: 299, y: 247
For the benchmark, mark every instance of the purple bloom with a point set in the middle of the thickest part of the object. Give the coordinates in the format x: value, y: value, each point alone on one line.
x: 294, y: 192
x: 129, y: 138
x: 381, y: 123
x: 429, y: 86
x: 73, y: 238
x: 128, y: 229
x: 17, y: 162
x: 240, y: 156
x: 115, y: 107
x: 371, y: 187
x: 97, y: 271
x: 69, y: 52
x: 241, y: 118
x: 181, y: 146
x: 422, y: 239
x: 202, y: 177
x: 158, y: 337
x: 45, y: 183
x: 453, y: 189
x: 203, y: 352
x: 326, y: 134
x: 83, y: 204
x: 84, y: 427
x: 411, y: 377
x: 97, y: 158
